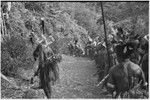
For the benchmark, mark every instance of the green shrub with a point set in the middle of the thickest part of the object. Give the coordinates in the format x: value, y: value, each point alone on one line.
x: 16, y: 46
x: 14, y: 55
x: 5, y: 62
x: 35, y: 6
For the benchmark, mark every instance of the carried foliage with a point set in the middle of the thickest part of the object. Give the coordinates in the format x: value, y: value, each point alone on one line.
x: 65, y: 21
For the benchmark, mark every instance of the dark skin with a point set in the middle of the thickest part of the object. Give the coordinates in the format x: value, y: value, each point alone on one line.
x: 121, y: 82
x: 46, y: 64
x: 36, y: 53
x: 44, y: 70
x: 121, y: 77
x: 124, y: 75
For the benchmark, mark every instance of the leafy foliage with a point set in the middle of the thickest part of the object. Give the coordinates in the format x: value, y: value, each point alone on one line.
x: 15, y: 55
x: 64, y: 21
x: 35, y: 6
x: 16, y: 47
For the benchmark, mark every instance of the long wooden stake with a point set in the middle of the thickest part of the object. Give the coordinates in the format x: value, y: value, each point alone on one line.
x: 105, y: 37
x: 103, y: 80
x: 42, y: 22
x: 43, y: 29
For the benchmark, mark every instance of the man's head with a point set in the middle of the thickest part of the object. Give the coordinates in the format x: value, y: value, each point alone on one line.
x: 119, y: 52
x: 124, y: 51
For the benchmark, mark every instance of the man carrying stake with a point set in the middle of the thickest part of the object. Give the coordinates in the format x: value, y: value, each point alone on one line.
x: 47, y: 66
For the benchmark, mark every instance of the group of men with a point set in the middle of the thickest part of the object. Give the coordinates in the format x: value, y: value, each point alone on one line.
x: 131, y: 62
x: 128, y: 58
x: 74, y: 48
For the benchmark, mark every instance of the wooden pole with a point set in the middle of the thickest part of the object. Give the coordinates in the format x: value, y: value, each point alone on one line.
x: 42, y: 19
x: 105, y: 36
x: 43, y: 29
x: 103, y: 80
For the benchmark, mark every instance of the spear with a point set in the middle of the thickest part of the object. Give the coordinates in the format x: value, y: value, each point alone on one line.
x: 105, y: 35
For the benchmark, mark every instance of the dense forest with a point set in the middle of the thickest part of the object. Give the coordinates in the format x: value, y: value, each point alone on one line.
x: 64, y: 21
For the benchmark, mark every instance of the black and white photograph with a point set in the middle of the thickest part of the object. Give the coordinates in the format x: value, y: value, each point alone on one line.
x: 74, y: 49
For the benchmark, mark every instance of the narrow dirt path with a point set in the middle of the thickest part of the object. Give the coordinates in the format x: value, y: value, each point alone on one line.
x: 76, y: 81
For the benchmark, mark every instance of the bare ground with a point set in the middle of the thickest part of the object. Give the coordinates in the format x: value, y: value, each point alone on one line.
x: 76, y: 81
